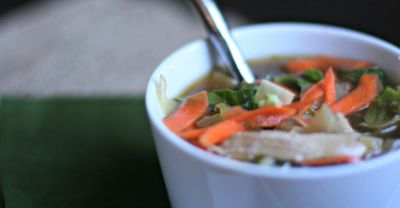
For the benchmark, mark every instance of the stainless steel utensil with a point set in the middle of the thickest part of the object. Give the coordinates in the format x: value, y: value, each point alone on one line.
x: 222, y: 40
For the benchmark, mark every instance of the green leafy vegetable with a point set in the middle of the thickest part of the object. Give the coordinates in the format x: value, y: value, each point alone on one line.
x: 243, y: 96
x: 313, y: 75
x: 214, y: 98
x: 298, y: 84
x: 384, y: 108
x: 354, y: 76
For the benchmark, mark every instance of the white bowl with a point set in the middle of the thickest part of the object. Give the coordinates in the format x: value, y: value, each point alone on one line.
x: 195, y: 178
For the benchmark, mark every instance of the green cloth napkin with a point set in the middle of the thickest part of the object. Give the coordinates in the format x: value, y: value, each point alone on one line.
x: 77, y: 152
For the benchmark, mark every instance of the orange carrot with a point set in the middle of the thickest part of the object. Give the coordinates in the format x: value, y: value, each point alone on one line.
x: 262, y: 117
x: 294, y: 105
x: 301, y: 106
x: 264, y: 112
x: 188, y: 113
x: 325, y: 87
x: 331, y: 160
x: 191, y: 134
x: 220, y: 132
x: 314, y: 92
x: 197, y: 144
x: 329, y: 87
x: 268, y: 121
x: 366, y: 91
x: 269, y: 118
x: 322, y: 63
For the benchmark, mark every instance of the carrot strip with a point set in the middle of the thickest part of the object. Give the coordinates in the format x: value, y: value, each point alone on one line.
x: 268, y: 117
x: 322, y: 63
x: 301, y: 106
x: 220, y: 132
x: 314, y: 92
x: 264, y: 111
x: 191, y: 134
x: 325, y: 88
x: 197, y: 144
x: 262, y: 117
x: 329, y: 87
x: 332, y: 160
x: 188, y: 113
x: 366, y: 91
x: 262, y: 121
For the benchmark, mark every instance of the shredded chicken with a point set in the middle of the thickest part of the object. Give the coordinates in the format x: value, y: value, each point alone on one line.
x: 293, y: 146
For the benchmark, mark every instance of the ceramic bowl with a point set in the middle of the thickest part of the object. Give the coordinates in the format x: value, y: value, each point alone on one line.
x: 199, y: 179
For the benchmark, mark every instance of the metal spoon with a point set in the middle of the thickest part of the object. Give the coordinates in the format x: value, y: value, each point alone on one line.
x: 222, y: 40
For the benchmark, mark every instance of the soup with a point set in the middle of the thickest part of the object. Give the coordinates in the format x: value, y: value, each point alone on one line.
x: 302, y: 111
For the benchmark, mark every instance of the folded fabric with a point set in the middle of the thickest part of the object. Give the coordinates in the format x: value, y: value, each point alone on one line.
x: 77, y: 152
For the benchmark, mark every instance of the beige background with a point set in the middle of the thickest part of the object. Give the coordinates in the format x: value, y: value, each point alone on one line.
x: 92, y: 46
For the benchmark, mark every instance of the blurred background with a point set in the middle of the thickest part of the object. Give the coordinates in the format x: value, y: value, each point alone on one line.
x: 89, y: 143
x: 111, y: 46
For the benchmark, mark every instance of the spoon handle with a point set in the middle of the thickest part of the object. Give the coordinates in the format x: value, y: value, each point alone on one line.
x: 222, y: 40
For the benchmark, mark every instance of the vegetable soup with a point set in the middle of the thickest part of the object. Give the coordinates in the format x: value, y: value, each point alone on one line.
x: 302, y: 111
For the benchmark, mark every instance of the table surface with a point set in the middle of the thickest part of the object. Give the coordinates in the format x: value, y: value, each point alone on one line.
x: 77, y: 152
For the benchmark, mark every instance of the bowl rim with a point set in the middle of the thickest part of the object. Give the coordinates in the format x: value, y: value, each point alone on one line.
x: 237, y: 167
